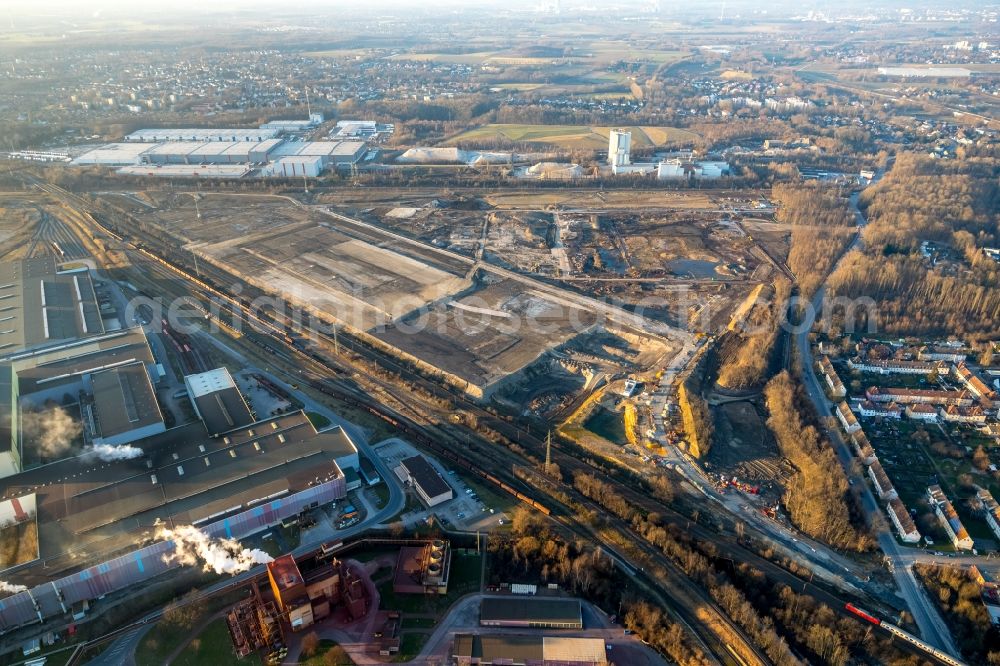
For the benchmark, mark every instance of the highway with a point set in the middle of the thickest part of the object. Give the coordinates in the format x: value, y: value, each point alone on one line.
x: 931, y: 624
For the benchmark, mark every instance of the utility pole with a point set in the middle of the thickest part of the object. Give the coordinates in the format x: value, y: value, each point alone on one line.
x: 548, y: 451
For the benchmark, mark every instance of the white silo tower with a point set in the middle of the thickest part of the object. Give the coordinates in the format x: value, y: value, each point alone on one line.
x: 619, y: 147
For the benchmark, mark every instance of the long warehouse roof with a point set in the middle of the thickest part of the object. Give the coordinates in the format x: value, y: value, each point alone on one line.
x: 41, y: 306
x: 134, y: 568
x: 202, y: 134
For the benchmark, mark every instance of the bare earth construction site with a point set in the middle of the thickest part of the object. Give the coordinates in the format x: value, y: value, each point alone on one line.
x: 477, y: 313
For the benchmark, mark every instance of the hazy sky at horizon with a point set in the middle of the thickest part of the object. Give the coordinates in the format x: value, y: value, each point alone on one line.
x: 37, y: 12
x: 166, y: 6
x: 89, y: 7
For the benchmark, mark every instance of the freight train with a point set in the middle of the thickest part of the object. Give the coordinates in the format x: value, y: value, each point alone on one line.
x: 941, y: 656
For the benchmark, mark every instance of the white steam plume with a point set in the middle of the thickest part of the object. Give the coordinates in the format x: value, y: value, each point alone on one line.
x: 110, y: 453
x: 54, y: 430
x: 193, y: 547
x: 11, y: 587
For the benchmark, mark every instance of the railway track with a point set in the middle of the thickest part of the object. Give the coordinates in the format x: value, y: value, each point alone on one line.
x: 477, y: 460
x: 494, y: 458
x: 491, y: 463
x: 52, y: 238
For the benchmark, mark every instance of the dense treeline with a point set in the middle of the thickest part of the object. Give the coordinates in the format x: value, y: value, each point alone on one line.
x: 678, y: 546
x: 813, y: 627
x: 813, y: 253
x: 667, y: 637
x: 911, y: 299
x: 924, y: 199
x: 533, y: 552
x: 957, y: 595
x: 771, y: 614
x: 815, y: 497
x: 822, y: 226
x: 811, y: 204
x: 749, y: 355
x: 953, y: 203
x: 695, y: 416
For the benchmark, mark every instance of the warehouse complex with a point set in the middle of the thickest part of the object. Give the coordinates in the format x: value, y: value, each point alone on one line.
x: 269, y: 151
x: 116, y: 472
x: 56, y: 357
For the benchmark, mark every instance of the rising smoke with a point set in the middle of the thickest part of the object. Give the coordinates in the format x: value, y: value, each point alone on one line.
x: 11, y: 588
x: 193, y: 547
x: 109, y: 453
x: 54, y: 430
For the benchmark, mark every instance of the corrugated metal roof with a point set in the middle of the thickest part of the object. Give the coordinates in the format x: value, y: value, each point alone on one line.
x: 124, y: 399
x: 531, y: 609
x: 145, y: 564
x: 572, y: 649
x: 40, y: 306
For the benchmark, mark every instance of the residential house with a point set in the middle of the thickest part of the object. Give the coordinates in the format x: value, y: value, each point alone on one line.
x: 896, y: 367
x: 870, y: 409
x: 975, y: 385
x: 836, y: 386
x: 954, y: 414
x: 903, y: 521
x: 913, y: 395
x: 883, y: 486
x: 847, y: 418
x: 948, y: 518
x: 942, y: 353
x: 990, y: 508
x: 863, y: 447
x: 922, y: 412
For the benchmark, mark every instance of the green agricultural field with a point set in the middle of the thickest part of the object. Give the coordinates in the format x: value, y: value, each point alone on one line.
x: 610, y: 95
x: 572, y: 136
x: 613, y: 51
x: 599, y: 53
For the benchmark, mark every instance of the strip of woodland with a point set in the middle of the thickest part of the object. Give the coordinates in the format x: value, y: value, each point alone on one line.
x: 815, y: 497
x: 954, y: 204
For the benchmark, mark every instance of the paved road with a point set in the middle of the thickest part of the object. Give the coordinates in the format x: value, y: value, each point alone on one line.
x: 932, y: 626
x: 122, y: 651
x: 824, y: 562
